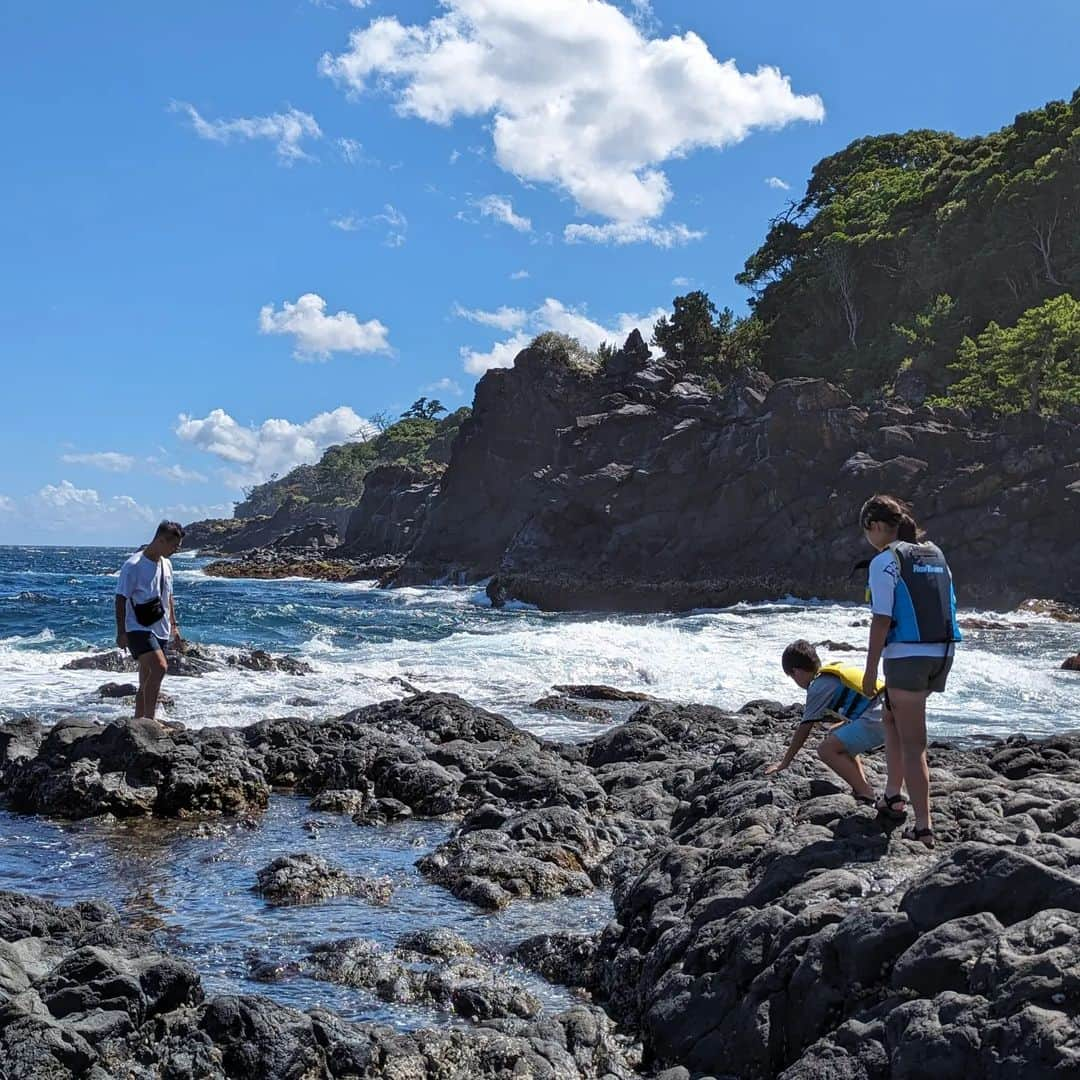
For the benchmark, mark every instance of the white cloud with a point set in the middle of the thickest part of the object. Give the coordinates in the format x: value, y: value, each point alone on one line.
x: 578, y: 95
x: 287, y: 130
x: 351, y: 150
x: 67, y: 494
x: 63, y: 511
x: 643, y: 16
x: 631, y: 232
x: 455, y: 156
x: 317, y: 334
x: 502, y: 210
x: 182, y: 475
x: 680, y: 282
x: 776, y: 182
x: 519, y: 275
x: 359, y: 3
x: 555, y: 315
x: 392, y: 219
x: 505, y: 318
x: 107, y: 459
x: 444, y: 386
x: 253, y: 453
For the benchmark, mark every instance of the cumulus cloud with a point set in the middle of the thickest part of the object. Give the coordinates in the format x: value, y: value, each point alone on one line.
x: 505, y: 318
x: 67, y: 494
x: 519, y: 275
x: 109, y: 460
x: 317, y: 334
x: 251, y: 454
x: 776, y: 182
x: 502, y: 210
x: 554, y: 315
x: 631, y: 232
x: 580, y: 95
x: 286, y: 130
x: 680, y: 282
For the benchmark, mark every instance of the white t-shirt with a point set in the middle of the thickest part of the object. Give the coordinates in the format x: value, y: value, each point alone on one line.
x: 883, y: 577
x: 141, y: 579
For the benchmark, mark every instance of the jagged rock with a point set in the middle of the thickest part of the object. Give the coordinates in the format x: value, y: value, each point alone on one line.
x: 111, y: 690
x: 561, y: 704
x: 132, y: 768
x: 469, y: 988
x: 109, y: 660
x: 87, y: 997
x: 1071, y: 663
x: 565, y: 958
x: 838, y: 646
x: 599, y: 692
x: 348, y: 801
x: 1055, y: 609
x: 307, y: 879
x: 260, y: 660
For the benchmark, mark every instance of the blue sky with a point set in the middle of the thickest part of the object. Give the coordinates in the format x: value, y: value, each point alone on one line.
x: 232, y: 231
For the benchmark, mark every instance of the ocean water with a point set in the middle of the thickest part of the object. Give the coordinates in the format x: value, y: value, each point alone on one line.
x: 195, y: 891
x: 56, y: 604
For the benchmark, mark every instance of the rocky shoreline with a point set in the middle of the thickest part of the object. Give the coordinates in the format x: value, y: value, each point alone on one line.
x: 639, y: 486
x: 762, y: 927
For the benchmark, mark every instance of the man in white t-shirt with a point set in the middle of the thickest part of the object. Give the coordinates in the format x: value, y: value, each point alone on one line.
x: 145, y: 613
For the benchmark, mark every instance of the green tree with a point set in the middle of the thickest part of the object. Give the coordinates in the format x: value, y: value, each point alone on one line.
x: 691, y: 336
x: 422, y: 409
x: 1033, y: 366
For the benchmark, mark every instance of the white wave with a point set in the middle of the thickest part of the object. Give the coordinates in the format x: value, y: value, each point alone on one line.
x: 39, y: 638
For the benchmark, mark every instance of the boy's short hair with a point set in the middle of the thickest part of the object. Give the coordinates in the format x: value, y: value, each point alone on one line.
x: 172, y: 529
x: 800, y: 655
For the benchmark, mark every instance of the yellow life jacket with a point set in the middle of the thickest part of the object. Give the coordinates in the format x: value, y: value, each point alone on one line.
x: 850, y: 701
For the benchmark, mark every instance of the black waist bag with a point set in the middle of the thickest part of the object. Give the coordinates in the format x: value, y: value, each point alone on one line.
x: 149, y: 613
x: 153, y: 610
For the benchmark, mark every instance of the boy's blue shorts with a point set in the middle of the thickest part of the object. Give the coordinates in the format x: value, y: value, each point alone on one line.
x: 861, y: 735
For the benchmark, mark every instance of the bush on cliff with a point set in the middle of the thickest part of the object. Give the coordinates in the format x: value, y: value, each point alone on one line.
x: 905, y: 243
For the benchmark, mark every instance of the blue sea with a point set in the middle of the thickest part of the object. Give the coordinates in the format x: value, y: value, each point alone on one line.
x: 193, y: 888
x: 57, y: 604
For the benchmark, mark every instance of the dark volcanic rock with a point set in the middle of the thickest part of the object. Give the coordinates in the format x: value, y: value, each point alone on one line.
x: 391, y: 510
x: 83, y: 996
x: 599, y: 692
x: 555, y: 703
x: 259, y: 660
x: 109, y: 660
x: 1071, y: 663
x: 132, y: 768
x: 467, y: 986
x: 306, y: 879
x: 636, y: 486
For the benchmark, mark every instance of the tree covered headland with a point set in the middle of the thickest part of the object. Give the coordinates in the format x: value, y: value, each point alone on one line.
x: 921, y: 265
x: 909, y: 256
x: 418, y: 438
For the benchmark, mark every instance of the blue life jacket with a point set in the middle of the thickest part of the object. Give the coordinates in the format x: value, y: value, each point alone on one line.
x: 924, y: 604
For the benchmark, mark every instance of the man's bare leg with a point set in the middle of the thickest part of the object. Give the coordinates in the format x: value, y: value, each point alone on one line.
x: 152, y: 668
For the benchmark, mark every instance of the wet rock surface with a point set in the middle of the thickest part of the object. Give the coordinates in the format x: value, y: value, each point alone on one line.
x: 83, y: 996
x: 769, y: 925
x: 306, y: 879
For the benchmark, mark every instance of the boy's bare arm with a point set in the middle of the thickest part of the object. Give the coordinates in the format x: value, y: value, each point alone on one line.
x: 801, y: 734
x: 121, y: 621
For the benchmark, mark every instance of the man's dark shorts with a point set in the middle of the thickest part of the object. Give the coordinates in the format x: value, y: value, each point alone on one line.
x: 918, y: 673
x: 142, y: 641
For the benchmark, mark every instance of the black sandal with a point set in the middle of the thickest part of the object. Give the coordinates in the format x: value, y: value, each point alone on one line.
x: 886, y: 806
x: 924, y: 836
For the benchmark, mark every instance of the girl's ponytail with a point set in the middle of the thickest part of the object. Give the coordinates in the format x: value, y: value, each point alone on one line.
x: 891, y: 511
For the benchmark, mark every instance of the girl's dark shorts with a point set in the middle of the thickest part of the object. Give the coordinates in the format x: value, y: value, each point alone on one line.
x: 142, y: 641
x: 918, y: 673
